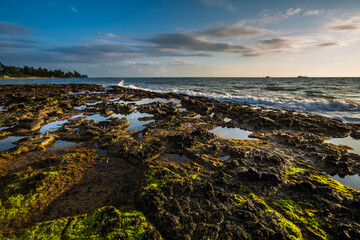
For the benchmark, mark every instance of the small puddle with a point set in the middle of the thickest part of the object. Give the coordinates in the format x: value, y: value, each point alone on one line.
x: 151, y: 100
x: 60, y: 144
x: 82, y: 107
x: 94, y: 103
x: 352, y: 181
x: 77, y: 93
x: 174, y: 158
x: 100, y: 152
x: 348, y: 141
x: 7, y: 143
x: 224, y: 158
x: 110, y: 160
x: 3, y: 109
x: 233, y: 133
x: 135, y: 122
x: 50, y: 127
x: 96, y: 117
x: 3, y: 128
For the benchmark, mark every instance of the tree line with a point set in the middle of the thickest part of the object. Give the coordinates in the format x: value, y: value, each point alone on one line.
x: 26, y: 71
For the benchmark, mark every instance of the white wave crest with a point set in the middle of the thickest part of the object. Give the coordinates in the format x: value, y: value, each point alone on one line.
x: 302, y: 104
x: 310, y: 105
x: 121, y: 83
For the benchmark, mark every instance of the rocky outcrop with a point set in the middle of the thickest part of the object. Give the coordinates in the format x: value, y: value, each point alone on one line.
x: 173, y: 178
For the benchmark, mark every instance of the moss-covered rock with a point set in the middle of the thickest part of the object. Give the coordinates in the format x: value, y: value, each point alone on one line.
x: 104, y: 223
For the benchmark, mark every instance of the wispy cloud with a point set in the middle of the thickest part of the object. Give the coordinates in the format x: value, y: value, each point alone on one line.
x: 352, y: 23
x: 72, y: 8
x: 314, y: 12
x: 189, y: 42
x: 9, y: 28
x: 237, y: 30
x: 328, y: 44
x: 16, y: 43
x: 223, y: 3
x: 280, y: 16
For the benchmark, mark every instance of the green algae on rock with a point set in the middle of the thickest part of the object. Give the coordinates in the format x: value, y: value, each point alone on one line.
x: 104, y: 223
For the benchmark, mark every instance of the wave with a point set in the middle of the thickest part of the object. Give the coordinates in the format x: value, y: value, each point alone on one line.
x: 121, y: 83
x: 317, y: 105
x: 303, y: 104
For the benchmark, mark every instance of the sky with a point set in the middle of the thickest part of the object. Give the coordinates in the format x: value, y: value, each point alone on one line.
x: 184, y: 38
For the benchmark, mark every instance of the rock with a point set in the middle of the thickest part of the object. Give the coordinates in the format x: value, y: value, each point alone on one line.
x: 31, y: 124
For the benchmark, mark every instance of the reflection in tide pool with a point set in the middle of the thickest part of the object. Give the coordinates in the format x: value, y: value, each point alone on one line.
x: 82, y: 107
x: 95, y: 117
x: 348, y: 141
x: 3, y: 128
x: 151, y: 100
x: 233, y: 133
x: 352, y: 181
x: 7, y: 143
x: 224, y: 158
x: 50, y: 127
x: 134, y: 123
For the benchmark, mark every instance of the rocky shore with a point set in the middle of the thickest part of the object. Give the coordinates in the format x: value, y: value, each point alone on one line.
x: 80, y: 161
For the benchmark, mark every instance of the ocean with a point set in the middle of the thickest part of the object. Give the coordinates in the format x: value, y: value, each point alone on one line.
x: 333, y: 97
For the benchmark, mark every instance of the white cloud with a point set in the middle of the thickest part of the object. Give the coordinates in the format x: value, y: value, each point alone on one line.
x: 72, y: 8
x: 314, y: 12
x: 235, y: 31
x: 292, y: 11
x: 280, y: 16
x: 352, y: 23
x: 223, y: 3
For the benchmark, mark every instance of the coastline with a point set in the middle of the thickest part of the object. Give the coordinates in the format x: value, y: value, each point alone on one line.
x: 170, y: 173
x: 29, y: 78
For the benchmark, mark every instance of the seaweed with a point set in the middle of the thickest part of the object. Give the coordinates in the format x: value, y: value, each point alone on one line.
x: 302, y: 213
x: 104, y: 223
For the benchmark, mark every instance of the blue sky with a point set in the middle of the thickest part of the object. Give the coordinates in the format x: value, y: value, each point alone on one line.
x: 184, y: 38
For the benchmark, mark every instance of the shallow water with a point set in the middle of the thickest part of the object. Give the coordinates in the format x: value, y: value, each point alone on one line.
x: 82, y: 107
x: 224, y: 158
x: 60, y: 144
x: 134, y: 123
x: 77, y: 93
x: 7, y: 143
x: 96, y: 117
x: 2, y: 109
x: 3, y: 128
x: 233, y: 133
x: 110, y: 160
x: 53, y: 126
x: 352, y: 181
x: 163, y: 100
x: 94, y: 103
x: 348, y: 141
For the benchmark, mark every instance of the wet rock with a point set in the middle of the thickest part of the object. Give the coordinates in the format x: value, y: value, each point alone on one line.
x: 30, y: 124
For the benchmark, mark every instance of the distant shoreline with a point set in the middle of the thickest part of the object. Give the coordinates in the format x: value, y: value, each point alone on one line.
x: 1, y: 78
x: 29, y: 78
